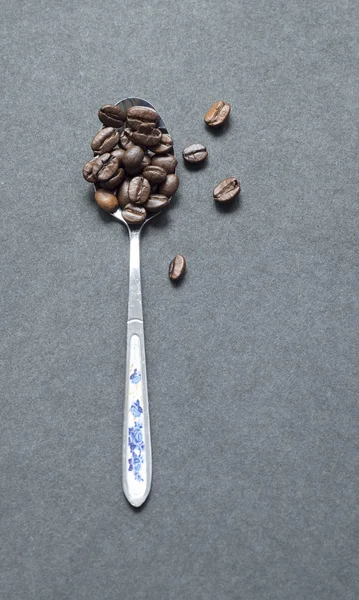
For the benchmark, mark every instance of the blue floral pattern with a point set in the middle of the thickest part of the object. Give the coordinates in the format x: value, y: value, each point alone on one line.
x: 137, y: 446
x: 136, y: 409
x: 135, y: 377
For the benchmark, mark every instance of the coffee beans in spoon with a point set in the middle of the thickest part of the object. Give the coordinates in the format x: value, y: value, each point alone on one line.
x: 134, y: 167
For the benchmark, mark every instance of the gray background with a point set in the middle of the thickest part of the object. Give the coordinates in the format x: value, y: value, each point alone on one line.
x: 252, y: 361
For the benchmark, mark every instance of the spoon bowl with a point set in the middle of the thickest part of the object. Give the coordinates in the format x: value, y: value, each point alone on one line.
x: 125, y: 105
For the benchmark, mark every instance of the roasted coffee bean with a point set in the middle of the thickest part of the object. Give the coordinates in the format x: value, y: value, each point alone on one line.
x: 135, y: 124
x: 122, y: 193
x: 164, y: 146
x: 154, y: 174
x: 106, y: 200
x: 156, y: 202
x: 132, y: 159
x: 115, y: 181
x: 101, y: 168
x: 146, y: 135
x: 143, y: 114
x: 119, y: 153
x: 227, y: 190
x: 195, y: 153
x: 135, y: 215
x: 168, y: 163
x: 217, y: 114
x: 169, y: 187
x: 146, y: 161
x: 177, y: 267
x: 105, y: 140
x: 105, y: 167
x: 111, y: 115
x: 88, y: 170
x: 125, y: 141
x: 139, y: 190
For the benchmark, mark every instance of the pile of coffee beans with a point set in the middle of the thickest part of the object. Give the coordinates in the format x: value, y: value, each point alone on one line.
x: 133, y: 166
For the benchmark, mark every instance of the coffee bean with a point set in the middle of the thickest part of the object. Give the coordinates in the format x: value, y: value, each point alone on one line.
x: 156, y: 202
x: 154, y: 174
x: 135, y: 215
x: 105, y: 140
x: 168, y: 163
x: 146, y: 161
x: 139, y: 190
x: 143, y: 114
x: 111, y: 115
x: 101, y: 167
x: 106, y: 200
x: 132, y: 159
x: 164, y: 146
x: 169, y: 187
x: 217, y: 114
x: 119, y: 153
x: 135, y: 124
x: 177, y: 267
x: 105, y: 167
x: 88, y: 171
x: 227, y: 190
x: 195, y: 153
x: 115, y: 180
x: 146, y: 135
x: 125, y: 140
x: 122, y: 193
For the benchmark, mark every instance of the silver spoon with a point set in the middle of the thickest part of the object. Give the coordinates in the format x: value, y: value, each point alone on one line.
x: 136, y: 445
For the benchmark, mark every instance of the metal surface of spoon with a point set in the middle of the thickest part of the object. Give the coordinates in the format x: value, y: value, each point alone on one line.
x: 136, y: 446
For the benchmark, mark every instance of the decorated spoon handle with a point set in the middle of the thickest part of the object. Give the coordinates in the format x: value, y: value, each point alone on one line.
x: 137, y: 460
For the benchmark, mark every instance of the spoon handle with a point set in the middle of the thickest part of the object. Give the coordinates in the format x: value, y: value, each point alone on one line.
x: 136, y: 453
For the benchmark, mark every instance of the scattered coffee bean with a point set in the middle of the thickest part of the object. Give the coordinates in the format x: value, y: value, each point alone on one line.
x: 106, y: 200
x: 135, y: 215
x: 132, y: 159
x: 195, y: 153
x: 169, y: 187
x: 227, y: 190
x: 146, y: 135
x: 154, y: 174
x: 139, y: 190
x: 156, y: 202
x: 177, y: 267
x: 217, y: 114
x: 168, y: 162
x: 111, y: 115
x: 105, y: 140
x: 114, y: 181
x: 164, y: 146
x: 122, y: 193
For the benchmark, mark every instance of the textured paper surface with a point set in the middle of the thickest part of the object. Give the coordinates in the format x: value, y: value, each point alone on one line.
x: 252, y: 360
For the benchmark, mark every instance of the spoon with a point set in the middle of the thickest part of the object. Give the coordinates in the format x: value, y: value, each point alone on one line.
x: 136, y: 445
